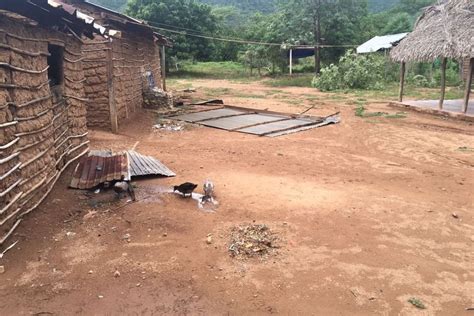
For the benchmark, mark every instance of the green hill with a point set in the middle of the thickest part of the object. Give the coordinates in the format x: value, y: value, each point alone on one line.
x: 248, y: 6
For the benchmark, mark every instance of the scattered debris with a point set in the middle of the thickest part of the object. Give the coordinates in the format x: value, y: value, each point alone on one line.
x: 127, y: 237
x: 89, y: 215
x: 100, y: 296
x: 171, y: 126
x: 8, y: 248
x: 209, y: 239
x: 470, y: 309
x: 70, y: 234
x: 116, y: 274
x: 157, y: 98
x: 188, y: 90
x: 455, y: 215
x: 465, y: 148
x: 90, y: 272
x: 248, y: 241
x: 417, y: 303
x: 2, y: 269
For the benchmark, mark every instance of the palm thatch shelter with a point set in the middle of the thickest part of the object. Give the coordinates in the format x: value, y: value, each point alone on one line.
x: 444, y: 30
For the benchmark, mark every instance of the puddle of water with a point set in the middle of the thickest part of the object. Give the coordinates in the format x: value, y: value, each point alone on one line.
x: 154, y: 194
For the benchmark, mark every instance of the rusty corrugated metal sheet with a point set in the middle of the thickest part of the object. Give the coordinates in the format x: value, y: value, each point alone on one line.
x: 104, y: 166
x: 141, y: 165
x: 95, y: 170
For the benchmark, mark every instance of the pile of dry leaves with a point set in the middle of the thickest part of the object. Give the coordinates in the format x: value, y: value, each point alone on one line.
x: 248, y: 241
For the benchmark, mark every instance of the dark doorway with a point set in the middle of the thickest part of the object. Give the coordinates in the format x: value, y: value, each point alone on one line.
x: 56, y: 64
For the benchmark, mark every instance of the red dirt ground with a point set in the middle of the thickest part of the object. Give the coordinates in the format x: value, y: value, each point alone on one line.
x: 364, y: 210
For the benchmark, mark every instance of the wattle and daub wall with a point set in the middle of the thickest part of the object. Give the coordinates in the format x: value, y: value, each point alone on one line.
x: 42, y: 114
x: 121, y: 63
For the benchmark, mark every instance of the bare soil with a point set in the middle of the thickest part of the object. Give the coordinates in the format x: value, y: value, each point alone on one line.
x: 363, y: 211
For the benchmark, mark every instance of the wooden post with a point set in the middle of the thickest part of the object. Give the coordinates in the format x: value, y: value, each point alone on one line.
x: 111, y: 88
x: 402, y: 80
x: 468, y: 85
x: 291, y: 62
x: 163, y: 67
x: 443, y: 82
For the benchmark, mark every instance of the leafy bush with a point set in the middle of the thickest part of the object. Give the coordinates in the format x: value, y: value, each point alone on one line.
x: 353, y: 72
x: 329, y: 79
x: 420, y: 81
x: 452, y: 76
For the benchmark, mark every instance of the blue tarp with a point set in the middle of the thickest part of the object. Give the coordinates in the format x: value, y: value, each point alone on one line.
x: 301, y: 53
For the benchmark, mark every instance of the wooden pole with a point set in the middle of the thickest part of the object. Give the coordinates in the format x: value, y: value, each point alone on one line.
x: 111, y: 89
x: 402, y: 80
x: 468, y: 85
x: 163, y: 67
x: 443, y: 82
x: 291, y: 62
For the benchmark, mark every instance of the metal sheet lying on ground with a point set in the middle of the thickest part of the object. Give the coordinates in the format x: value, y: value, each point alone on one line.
x: 141, y: 165
x: 94, y: 170
x: 207, y: 115
x: 103, y: 166
x: 241, y: 121
x: 256, y: 122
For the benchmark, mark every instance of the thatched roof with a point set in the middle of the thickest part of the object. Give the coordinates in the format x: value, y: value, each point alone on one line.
x: 445, y: 29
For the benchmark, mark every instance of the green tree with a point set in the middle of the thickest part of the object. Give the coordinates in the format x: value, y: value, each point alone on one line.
x: 325, y: 22
x: 398, y: 23
x: 184, y: 14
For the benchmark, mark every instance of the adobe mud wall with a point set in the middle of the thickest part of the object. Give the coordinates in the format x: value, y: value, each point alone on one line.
x: 121, y: 63
x: 41, y: 131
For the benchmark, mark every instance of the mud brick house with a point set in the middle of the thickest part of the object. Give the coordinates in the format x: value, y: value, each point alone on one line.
x: 42, y: 103
x: 116, y: 65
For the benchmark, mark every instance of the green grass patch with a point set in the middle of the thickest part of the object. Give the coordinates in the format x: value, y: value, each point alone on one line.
x: 361, y: 111
x: 249, y: 96
x: 417, y: 303
x: 303, y: 80
x: 397, y: 115
x: 216, y: 91
x: 211, y: 70
x: 391, y: 92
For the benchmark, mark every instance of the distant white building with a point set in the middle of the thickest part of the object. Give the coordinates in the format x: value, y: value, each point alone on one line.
x: 380, y: 43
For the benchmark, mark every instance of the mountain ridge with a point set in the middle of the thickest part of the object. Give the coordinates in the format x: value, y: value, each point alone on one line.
x: 248, y: 6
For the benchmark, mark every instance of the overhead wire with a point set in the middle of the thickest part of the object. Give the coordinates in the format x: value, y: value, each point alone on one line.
x: 199, y: 34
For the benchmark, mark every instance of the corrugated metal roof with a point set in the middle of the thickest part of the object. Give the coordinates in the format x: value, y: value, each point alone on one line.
x: 104, y: 166
x: 141, y: 165
x: 95, y: 170
x: 380, y: 42
x: 50, y: 13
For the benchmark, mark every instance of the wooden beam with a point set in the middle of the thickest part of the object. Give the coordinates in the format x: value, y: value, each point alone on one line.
x: 443, y: 82
x: 468, y: 85
x: 402, y: 80
x: 111, y: 89
x: 291, y: 62
x: 163, y: 67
